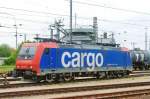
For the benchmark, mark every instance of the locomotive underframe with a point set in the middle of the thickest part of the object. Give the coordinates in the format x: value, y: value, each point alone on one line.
x: 59, y: 76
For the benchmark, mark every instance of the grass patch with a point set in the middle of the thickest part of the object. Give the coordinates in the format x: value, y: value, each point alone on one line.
x: 6, y: 68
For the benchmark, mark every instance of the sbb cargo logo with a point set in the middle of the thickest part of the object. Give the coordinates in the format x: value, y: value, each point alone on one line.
x: 81, y: 59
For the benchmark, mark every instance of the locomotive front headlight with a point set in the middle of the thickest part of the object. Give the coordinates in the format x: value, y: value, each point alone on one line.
x: 30, y: 67
x: 18, y: 66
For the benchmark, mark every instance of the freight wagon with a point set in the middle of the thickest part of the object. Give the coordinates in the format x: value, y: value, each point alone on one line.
x: 140, y: 59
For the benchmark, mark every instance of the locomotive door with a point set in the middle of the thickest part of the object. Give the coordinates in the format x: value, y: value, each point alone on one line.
x: 53, y: 56
x: 47, y: 60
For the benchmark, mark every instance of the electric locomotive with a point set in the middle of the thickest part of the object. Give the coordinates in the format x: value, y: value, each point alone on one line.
x: 52, y: 60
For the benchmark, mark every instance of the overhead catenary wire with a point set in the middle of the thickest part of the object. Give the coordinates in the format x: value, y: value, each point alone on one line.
x: 28, y: 20
x: 79, y: 2
x: 38, y: 15
x: 11, y: 26
x: 113, y: 8
x: 104, y: 20
x: 20, y: 33
x: 63, y: 15
x: 32, y: 11
x: 47, y: 14
x: 85, y: 18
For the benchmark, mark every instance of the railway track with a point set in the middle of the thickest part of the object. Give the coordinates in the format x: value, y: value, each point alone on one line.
x: 30, y: 83
x: 83, y: 88
x: 70, y: 89
x: 22, y: 84
x: 111, y: 95
x: 11, y: 79
x: 140, y: 72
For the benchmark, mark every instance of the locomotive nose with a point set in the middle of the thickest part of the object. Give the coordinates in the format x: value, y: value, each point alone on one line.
x: 28, y: 64
x: 25, y: 68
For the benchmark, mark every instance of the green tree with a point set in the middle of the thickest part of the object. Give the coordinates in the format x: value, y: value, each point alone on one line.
x: 12, y: 58
x: 5, y: 50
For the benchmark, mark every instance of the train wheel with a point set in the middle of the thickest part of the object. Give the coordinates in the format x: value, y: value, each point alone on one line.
x: 102, y: 75
x: 119, y: 75
x: 110, y: 74
x: 127, y: 73
x: 57, y: 78
x: 48, y: 78
x: 107, y: 75
x: 97, y: 75
x: 15, y: 74
x: 68, y: 77
x: 115, y: 74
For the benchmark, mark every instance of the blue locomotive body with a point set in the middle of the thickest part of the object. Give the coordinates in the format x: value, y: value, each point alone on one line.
x: 62, y: 60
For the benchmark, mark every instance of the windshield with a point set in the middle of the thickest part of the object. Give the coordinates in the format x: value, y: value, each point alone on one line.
x: 27, y: 52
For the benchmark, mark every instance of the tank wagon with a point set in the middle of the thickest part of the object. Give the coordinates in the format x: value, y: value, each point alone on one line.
x: 54, y: 61
x: 140, y: 59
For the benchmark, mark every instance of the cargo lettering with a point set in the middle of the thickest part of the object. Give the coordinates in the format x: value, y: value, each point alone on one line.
x: 81, y: 59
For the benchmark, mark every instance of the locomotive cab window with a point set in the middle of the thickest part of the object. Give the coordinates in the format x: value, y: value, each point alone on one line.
x: 27, y: 52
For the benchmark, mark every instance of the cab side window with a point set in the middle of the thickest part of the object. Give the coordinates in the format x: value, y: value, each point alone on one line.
x: 47, y: 51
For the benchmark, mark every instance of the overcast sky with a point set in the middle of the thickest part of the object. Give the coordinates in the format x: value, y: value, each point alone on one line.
x: 36, y: 15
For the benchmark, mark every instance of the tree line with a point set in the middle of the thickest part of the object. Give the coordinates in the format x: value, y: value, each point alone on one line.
x: 9, y: 53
